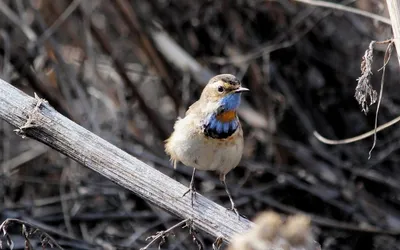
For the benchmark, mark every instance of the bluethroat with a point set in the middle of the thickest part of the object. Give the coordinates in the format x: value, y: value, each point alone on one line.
x: 210, y: 136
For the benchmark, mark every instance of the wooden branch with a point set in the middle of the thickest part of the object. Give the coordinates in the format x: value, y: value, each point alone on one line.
x: 394, y: 12
x: 36, y: 119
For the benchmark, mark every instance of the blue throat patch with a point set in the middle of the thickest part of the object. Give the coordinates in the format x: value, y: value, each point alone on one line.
x: 214, y: 127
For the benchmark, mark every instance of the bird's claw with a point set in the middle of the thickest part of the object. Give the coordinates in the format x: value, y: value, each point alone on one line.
x: 192, y: 191
x: 233, y: 209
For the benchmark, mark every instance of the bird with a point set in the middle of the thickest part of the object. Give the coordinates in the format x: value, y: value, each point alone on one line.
x: 210, y: 136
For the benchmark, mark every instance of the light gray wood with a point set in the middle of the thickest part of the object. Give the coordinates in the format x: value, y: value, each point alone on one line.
x: 38, y: 120
x: 394, y: 12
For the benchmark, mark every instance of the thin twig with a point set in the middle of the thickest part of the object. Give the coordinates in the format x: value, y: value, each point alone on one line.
x: 346, y: 9
x: 66, y: 73
x: 6, y: 57
x: 7, y: 12
x: 22, y: 63
x: 105, y: 44
x: 46, y: 240
x: 68, y: 11
x: 64, y: 204
x: 163, y: 234
x: 11, y: 166
x: 358, y: 137
x: 388, y: 54
x: 131, y: 19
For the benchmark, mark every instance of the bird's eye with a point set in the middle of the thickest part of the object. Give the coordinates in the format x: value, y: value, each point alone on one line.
x: 220, y: 89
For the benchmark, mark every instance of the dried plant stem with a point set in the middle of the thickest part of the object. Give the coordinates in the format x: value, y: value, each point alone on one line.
x: 358, y: 137
x: 163, y: 234
x: 348, y: 9
x: 394, y: 12
x: 361, y: 96
x: 45, y: 238
x: 388, y: 54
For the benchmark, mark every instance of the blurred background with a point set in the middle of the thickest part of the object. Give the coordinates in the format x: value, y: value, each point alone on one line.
x: 126, y: 70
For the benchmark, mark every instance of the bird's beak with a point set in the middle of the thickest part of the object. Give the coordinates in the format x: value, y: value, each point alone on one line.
x: 241, y: 89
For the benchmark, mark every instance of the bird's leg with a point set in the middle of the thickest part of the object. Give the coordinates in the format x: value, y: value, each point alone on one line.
x: 191, y: 189
x: 233, y: 208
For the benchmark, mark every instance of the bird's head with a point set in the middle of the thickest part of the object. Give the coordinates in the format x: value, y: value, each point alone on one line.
x: 221, y: 98
x: 225, y: 90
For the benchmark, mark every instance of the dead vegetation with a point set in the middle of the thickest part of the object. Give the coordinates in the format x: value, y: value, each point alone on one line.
x: 126, y: 69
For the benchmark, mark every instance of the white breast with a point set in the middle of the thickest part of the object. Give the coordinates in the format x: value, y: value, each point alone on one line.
x: 194, y: 149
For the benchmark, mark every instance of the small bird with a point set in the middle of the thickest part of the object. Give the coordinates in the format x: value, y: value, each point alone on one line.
x: 210, y: 136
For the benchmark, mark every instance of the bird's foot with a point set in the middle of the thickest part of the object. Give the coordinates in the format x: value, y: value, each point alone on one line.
x: 192, y: 191
x: 233, y: 209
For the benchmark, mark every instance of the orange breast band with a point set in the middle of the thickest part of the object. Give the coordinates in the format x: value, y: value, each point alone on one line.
x: 227, y: 116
